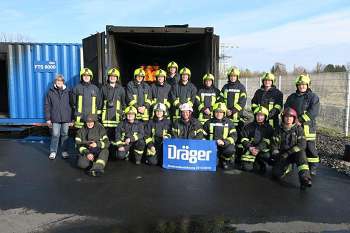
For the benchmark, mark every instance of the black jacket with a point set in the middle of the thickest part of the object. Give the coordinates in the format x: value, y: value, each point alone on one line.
x: 138, y: 95
x: 156, y: 130
x: 173, y: 81
x: 224, y: 129
x: 134, y: 131
x: 187, y: 130
x: 113, y: 99
x: 254, y: 134
x: 288, y: 140
x: 272, y: 100
x: 161, y: 93
x: 235, y: 96
x: 57, y: 105
x: 96, y: 134
x: 207, y: 97
x: 181, y: 94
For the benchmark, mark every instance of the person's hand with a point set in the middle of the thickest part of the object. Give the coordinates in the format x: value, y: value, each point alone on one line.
x: 229, y: 112
x: 153, y: 149
x: 90, y: 157
x: 254, y: 151
x: 93, y: 144
x: 141, y: 109
x: 122, y: 148
x: 127, y: 141
x: 207, y: 111
x: 71, y: 123
x: 49, y: 123
x: 220, y: 142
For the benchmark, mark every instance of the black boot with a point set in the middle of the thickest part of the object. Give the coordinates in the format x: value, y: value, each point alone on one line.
x: 96, y: 172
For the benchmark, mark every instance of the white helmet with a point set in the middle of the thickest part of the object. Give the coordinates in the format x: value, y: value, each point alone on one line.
x: 160, y: 107
x: 186, y: 107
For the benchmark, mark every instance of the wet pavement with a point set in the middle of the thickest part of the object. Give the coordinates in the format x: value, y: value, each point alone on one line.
x: 39, y: 195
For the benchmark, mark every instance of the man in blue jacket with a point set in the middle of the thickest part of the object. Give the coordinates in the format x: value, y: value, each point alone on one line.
x: 58, y: 115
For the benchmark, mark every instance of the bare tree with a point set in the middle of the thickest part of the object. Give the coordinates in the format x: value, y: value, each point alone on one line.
x: 14, y: 37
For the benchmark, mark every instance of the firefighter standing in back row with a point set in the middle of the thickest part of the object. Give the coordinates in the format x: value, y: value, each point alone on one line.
x: 222, y: 130
x: 269, y: 97
x: 206, y: 98
x: 160, y: 90
x: 173, y: 77
x: 113, y: 99
x: 138, y: 94
x: 157, y: 129
x: 183, y: 92
x: 288, y: 147
x: 85, y: 98
x: 307, y: 105
x: 129, y: 136
x: 234, y: 95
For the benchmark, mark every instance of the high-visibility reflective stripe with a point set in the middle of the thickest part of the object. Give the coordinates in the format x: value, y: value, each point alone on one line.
x: 235, y: 117
x: 313, y: 160
x: 80, y: 104
x: 198, y: 98
x: 150, y: 152
x: 78, y: 139
x: 305, y: 117
x: 211, y: 132
x: 296, y: 149
x: 93, y: 105
x: 102, y: 144
x: 135, y: 135
x: 309, y: 136
x: 271, y: 123
x: 100, y: 161
x: 303, y: 167
x: 82, y: 149
x: 176, y: 102
x: 266, y: 140
x: 288, y: 170
x: 104, y: 111
x: 117, y: 109
x: 248, y: 158
x: 176, y: 131
x: 244, y: 139
x: 105, y: 137
x: 243, y: 94
x: 99, y: 111
x: 231, y: 140
x: 201, y: 106
x: 225, y: 132
x: 140, y: 152
x: 236, y: 98
x: 238, y: 107
x: 134, y: 100
x: 278, y: 107
x: 118, y: 143
x: 148, y: 140
x: 166, y: 102
x: 147, y: 100
x: 213, y: 100
x: 270, y: 106
x: 253, y: 107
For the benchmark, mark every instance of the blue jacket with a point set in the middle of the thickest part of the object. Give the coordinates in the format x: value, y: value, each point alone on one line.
x: 57, y: 105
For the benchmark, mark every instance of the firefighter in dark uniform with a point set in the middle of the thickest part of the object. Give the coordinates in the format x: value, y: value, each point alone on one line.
x: 129, y: 135
x: 269, y: 97
x: 307, y: 105
x: 206, y: 98
x: 187, y: 127
x: 255, y: 140
x: 92, y: 143
x: 138, y: 94
x: 234, y: 95
x: 184, y: 92
x: 173, y: 77
x: 222, y: 130
x: 157, y: 129
x: 113, y: 99
x: 86, y: 98
x: 288, y: 147
x: 161, y: 89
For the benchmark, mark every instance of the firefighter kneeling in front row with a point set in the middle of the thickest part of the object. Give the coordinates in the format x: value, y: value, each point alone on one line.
x: 92, y: 143
x: 288, y: 147
x: 256, y: 142
x: 223, y: 131
x: 157, y: 129
x: 129, y: 135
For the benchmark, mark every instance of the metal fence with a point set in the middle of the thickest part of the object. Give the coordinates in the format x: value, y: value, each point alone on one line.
x: 332, y: 88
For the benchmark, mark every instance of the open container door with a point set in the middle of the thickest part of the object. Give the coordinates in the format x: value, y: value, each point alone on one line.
x: 94, y: 56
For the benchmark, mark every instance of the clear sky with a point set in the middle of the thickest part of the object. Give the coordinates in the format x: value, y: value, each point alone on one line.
x: 294, y: 32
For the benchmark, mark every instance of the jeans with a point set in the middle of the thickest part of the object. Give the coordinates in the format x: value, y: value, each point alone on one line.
x: 59, y: 130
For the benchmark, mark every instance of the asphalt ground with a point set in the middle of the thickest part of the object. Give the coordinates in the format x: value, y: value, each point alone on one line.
x: 40, y: 195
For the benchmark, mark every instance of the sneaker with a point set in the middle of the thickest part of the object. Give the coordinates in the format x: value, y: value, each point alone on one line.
x: 52, y: 155
x: 65, y: 155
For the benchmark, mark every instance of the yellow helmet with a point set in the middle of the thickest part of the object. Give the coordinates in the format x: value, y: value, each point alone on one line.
x: 160, y: 72
x: 303, y: 79
x: 262, y: 110
x: 208, y: 76
x: 268, y: 76
x: 220, y: 107
x: 86, y: 71
x: 234, y: 71
x: 185, y: 71
x: 172, y: 64
x: 139, y: 72
x: 130, y: 109
x: 114, y: 72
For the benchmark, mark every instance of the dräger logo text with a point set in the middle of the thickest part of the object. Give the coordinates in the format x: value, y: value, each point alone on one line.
x: 193, y: 156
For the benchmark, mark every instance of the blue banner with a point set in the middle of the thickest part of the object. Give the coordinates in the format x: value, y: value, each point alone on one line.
x: 193, y: 155
x: 45, y: 66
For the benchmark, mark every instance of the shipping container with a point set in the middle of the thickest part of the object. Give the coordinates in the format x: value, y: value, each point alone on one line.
x: 26, y: 73
x: 131, y: 47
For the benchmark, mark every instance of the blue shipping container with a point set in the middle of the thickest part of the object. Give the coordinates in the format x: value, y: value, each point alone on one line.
x: 31, y: 68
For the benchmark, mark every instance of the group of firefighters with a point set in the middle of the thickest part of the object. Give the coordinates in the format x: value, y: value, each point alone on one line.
x: 132, y: 122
